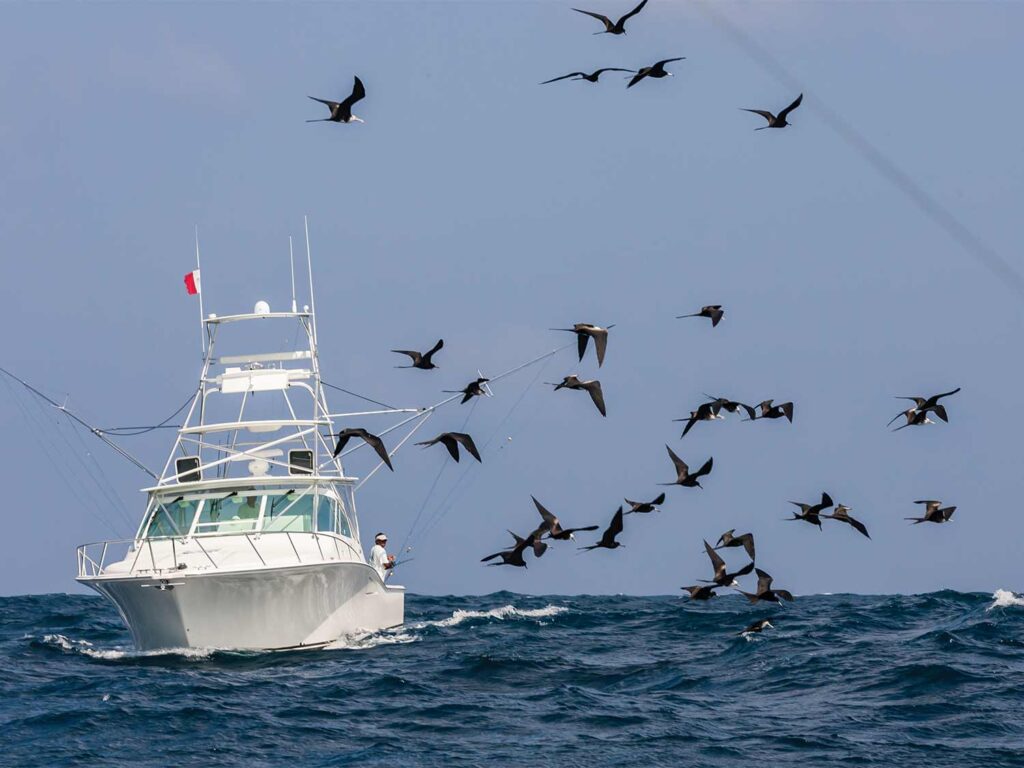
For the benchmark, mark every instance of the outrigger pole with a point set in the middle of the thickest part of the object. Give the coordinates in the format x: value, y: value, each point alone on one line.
x: 90, y: 427
x: 202, y: 330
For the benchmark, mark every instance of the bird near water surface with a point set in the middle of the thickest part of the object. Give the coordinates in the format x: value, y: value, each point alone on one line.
x: 722, y: 577
x: 341, y: 111
x: 765, y: 592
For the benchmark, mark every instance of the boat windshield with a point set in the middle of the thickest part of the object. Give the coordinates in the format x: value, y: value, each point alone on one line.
x: 248, y: 509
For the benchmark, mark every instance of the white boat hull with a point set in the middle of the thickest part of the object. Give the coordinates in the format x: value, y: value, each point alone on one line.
x: 295, y: 606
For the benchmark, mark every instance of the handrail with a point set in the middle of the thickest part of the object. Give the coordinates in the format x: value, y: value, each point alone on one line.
x: 167, y: 553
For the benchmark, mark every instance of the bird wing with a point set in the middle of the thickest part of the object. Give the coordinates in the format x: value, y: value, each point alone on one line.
x: 600, y: 17
x: 663, y: 62
x: 762, y: 112
x: 358, y: 93
x: 689, y: 425
x: 901, y: 413
x: 378, y: 445
x: 706, y: 469
x: 584, y: 528
x: 785, y: 594
x: 791, y: 107
x: 787, y: 408
x: 947, y: 512
x: 940, y: 411
x: 640, y: 75
x: 410, y: 352
x: 581, y: 343
x: 936, y: 398
x: 826, y: 501
x: 450, y: 444
x: 615, y: 528
x: 600, y: 344
x: 721, y: 539
x: 764, y: 581
x: 716, y: 560
x: 563, y: 77
x: 930, y: 504
x: 634, y: 12
x: 751, y: 411
x: 659, y: 499
x: 594, y: 388
x: 744, y: 570
x: 858, y: 525
x: 427, y: 443
x: 343, y: 438
x: 748, y: 544
x: 468, y: 444
x: 682, y: 468
x: 716, y: 317
x: 599, y: 72
x: 549, y: 518
x: 332, y: 104
x: 491, y: 557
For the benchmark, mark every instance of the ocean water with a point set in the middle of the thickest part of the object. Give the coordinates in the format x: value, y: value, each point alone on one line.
x: 508, y: 680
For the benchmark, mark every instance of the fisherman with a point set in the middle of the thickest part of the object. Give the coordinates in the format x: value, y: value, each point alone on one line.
x: 250, y: 510
x: 379, y: 557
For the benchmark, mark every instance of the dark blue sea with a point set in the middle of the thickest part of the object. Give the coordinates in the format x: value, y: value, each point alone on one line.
x: 507, y: 680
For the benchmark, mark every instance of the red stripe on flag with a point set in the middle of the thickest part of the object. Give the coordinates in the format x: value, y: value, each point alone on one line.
x: 190, y: 284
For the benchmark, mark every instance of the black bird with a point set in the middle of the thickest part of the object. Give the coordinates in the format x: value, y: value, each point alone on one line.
x: 714, y: 311
x: 656, y: 70
x: 608, y: 537
x: 841, y: 513
x: 645, y: 506
x: 701, y: 591
x: 758, y: 626
x: 371, y: 440
x: 704, y: 412
x: 769, y: 411
x: 584, y: 332
x: 810, y: 513
x: 553, y: 526
x: 341, y: 111
x: 619, y: 27
x: 934, y: 512
x: 731, y: 406
x: 514, y: 556
x: 423, y: 360
x: 722, y: 577
x: 729, y: 539
x: 591, y: 78
x: 593, y: 387
x: 930, y: 403
x: 451, y: 441
x: 684, y: 477
x: 471, y: 390
x: 765, y: 591
x: 776, y: 121
x: 915, y: 418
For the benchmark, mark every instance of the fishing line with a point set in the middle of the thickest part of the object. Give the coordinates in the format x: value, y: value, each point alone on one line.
x: 926, y: 203
x: 109, y: 490
x: 133, y: 431
x: 355, y: 394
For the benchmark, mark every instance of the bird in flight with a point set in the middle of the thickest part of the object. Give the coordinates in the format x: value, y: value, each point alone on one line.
x: 371, y: 440
x: 810, y: 513
x: 422, y: 360
x: 514, y: 556
x: 923, y: 405
x: 841, y: 513
x: 341, y: 111
x: 656, y: 70
x: 683, y: 476
x: 730, y: 539
x: 593, y: 387
x: 608, y: 537
x: 701, y: 591
x: 553, y: 527
x: 591, y: 77
x: 645, y: 506
x: 934, y: 512
x: 731, y: 406
x: 712, y: 311
x: 722, y: 577
x: 471, y: 390
x: 779, y: 120
x: 704, y: 412
x: 769, y: 411
x: 451, y: 441
x: 765, y: 591
x: 584, y: 332
x: 914, y: 417
x: 619, y: 27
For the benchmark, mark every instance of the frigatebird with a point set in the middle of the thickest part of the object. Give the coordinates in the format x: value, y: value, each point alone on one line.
x: 765, y: 591
x: 934, y: 512
x: 810, y: 513
x: 779, y: 120
x: 656, y: 70
x: 841, y: 513
x: 421, y: 360
x: 471, y: 390
x: 590, y: 78
x: 341, y: 111
x: 608, y: 537
x: 722, y: 576
x: 704, y: 412
x: 553, y: 527
x: 451, y: 441
x: 371, y: 440
x: 684, y: 478
x: 619, y: 27
x: 713, y: 311
x: 769, y: 411
x: 593, y: 387
x: 701, y: 591
x: 729, y: 539
x: 584, y: 332
x: 514, y: 556
x: 645, y: 506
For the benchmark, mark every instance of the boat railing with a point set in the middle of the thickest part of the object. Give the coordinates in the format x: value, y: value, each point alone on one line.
x: 172, y: 554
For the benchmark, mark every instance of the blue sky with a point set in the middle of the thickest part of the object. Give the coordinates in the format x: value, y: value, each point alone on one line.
x: 479, y: 206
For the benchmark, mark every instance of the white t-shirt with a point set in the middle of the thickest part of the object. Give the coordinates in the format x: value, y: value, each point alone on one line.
x: 379, y: 556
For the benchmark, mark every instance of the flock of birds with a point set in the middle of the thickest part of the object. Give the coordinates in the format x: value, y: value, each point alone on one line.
x: 550, y: 528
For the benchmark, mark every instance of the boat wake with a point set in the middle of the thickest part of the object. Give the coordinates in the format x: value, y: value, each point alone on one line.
x: 1004, y: 598
x: 85, y: 648
x: 502, y: 613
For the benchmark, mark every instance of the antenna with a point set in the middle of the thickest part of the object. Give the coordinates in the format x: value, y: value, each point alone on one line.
x: 202, y: 331
x: 309, y: 269
x: 291, y: 259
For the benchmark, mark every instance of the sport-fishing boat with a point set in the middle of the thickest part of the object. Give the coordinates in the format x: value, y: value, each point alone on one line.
x: 250, y: 538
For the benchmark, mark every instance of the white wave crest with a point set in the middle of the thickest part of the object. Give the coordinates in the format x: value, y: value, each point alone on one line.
x: 502, y: 613
x: 370, y: 640
x: 1004, y: 598
x: 86, y: 648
